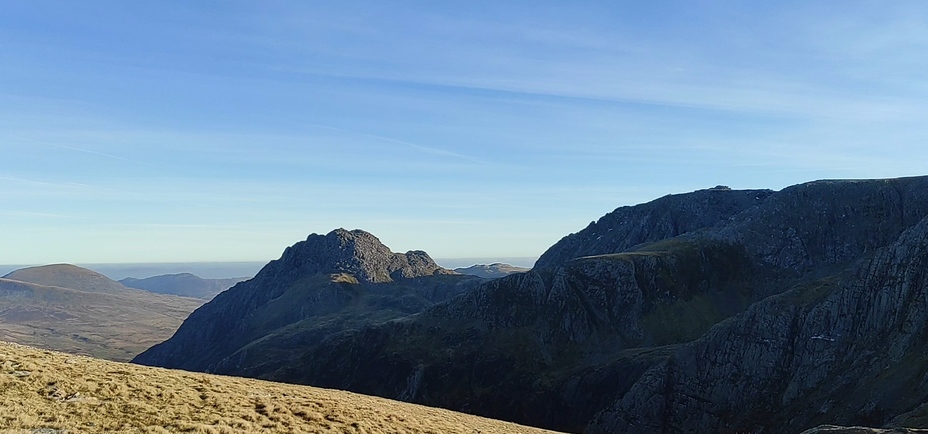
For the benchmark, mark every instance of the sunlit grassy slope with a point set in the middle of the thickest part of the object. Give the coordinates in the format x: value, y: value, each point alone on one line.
x: 45, y: 391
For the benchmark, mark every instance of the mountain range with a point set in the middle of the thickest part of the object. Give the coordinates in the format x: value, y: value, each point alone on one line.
x: 68, y: 308
x: 713, y: 311
x: 491, y: 271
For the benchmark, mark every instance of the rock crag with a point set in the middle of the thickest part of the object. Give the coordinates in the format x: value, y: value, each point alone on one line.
x: 317, y: 287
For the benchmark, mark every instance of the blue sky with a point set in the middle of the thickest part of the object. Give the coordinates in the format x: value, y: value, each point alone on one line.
x: 225, y: 131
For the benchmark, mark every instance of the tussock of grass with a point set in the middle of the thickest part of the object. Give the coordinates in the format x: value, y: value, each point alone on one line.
x: 45, y: 391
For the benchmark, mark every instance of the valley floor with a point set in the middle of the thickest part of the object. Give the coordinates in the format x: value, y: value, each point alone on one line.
x: 57, y: 393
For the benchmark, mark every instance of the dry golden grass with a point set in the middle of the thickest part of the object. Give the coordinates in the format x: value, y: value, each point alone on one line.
x: 50, y: 392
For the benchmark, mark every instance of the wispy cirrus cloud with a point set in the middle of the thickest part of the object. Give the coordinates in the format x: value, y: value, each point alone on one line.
x: 92, y: 152
x: 420, y: 148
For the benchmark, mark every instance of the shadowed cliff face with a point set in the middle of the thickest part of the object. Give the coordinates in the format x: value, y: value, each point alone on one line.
x: 718, y: 309
x: 849, y: 348
x: 667, y: 217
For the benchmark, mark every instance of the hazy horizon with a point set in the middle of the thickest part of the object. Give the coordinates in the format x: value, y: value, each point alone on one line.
x: 223, y: 270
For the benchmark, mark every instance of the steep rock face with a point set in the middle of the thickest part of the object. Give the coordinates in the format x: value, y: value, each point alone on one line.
x: 663, y: 218
x: 348, y: 274
x: 828, y: 222
x: 849, y: 349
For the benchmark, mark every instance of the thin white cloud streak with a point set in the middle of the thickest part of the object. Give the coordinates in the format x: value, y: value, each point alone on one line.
x: 88, y: 151
x: 759, y: 95
x: 420, y: 148
x: 59, y: 185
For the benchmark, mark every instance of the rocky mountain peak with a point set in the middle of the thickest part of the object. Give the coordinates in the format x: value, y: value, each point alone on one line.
x: 325, y: 280
x: 358, y: 253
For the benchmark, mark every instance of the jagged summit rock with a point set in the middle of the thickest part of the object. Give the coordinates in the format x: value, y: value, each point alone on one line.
x: 358, y: 253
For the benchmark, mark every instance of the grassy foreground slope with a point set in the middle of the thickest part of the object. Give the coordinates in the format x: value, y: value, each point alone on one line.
x: 45, y: 391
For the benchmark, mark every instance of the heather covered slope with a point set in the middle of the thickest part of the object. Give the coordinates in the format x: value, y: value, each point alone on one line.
x: 44, y: 391
x: 95, y: 316
x: 663, y: 329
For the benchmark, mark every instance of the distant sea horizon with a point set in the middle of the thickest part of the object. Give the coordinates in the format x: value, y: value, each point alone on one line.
x: 224, y: 270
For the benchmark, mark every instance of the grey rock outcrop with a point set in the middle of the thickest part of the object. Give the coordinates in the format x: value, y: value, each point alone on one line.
x: 353, y: 252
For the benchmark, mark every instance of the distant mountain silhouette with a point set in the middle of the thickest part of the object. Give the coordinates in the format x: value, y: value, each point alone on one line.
x: 68, y: 308
x: 713, y: 311
x: 491, y: 271
x: 66, y: 276
x: 183, y: 284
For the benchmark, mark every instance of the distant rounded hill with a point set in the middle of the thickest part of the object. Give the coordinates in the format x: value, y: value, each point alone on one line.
x: 491, y: 271
x: 183, y: 284
x: 68, y: 308
x: 66, y: 276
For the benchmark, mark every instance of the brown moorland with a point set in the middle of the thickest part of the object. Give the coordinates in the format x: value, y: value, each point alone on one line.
x: 52, y: 392
x: 66, y: 308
